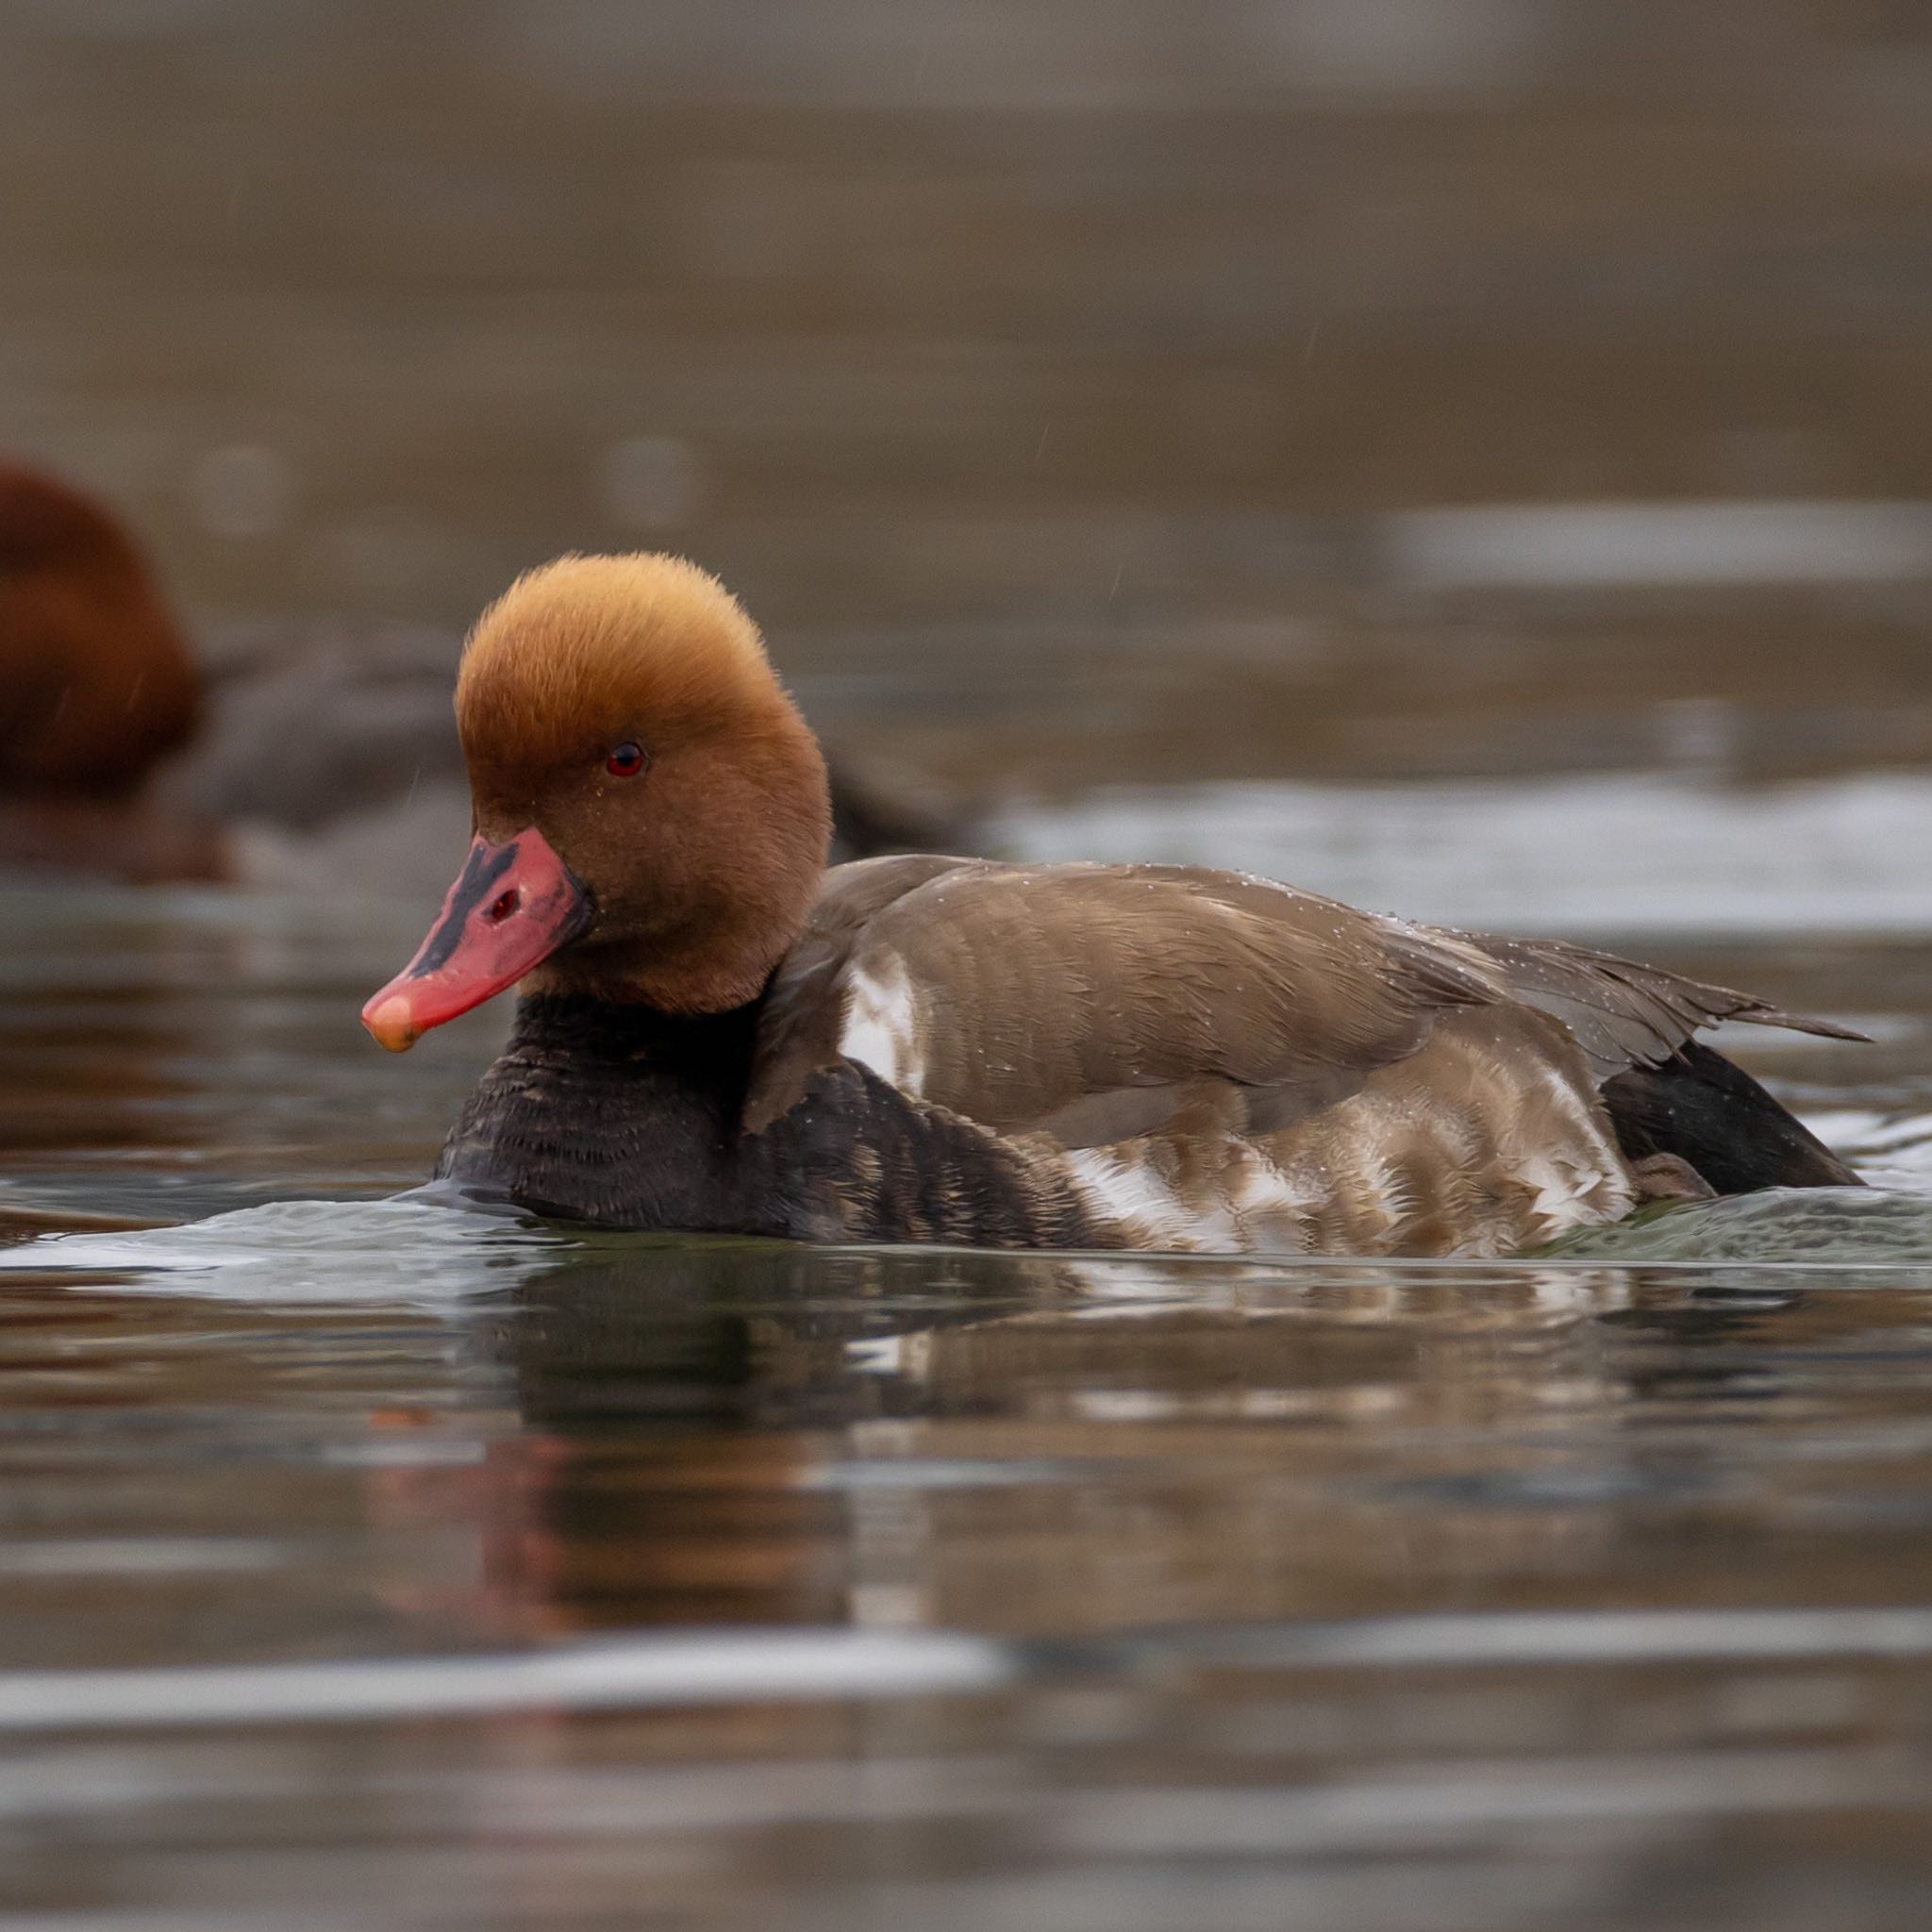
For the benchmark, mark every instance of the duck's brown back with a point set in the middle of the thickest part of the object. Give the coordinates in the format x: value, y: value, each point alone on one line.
x: 1213, y: 1060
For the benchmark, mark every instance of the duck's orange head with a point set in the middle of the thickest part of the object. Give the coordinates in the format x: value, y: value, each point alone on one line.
x: 95, y: 681
x: 650, y: 809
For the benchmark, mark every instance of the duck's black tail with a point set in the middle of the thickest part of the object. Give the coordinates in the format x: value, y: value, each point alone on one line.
x: 1714, y: 1116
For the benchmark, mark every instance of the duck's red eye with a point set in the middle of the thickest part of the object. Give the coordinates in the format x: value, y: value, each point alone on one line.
x: 627, y: 762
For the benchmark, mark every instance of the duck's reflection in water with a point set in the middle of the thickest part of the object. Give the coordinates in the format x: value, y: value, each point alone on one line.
x: 758, y: 1433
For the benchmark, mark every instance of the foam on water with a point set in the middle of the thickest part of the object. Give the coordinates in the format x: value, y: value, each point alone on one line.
x: 423, y: 1252
x: 678, y: 1669
x: 690, y: 1669
x: 1782, y: 1227
x: 402, y: 1250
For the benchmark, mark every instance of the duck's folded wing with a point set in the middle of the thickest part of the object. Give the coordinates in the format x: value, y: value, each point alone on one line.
x: 1092, y: 1003
x: 1623, y: 1014
x: 1095, y: 1001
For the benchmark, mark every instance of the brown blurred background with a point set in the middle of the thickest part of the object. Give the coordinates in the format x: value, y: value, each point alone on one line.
x: 1077, y: 393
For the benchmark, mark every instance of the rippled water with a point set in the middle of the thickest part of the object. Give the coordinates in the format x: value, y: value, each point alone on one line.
x: 366, y: 1563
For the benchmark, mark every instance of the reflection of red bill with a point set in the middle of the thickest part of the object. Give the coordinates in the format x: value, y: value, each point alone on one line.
x: 512, y: 906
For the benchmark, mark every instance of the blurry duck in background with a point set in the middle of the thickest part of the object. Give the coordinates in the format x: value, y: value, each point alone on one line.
x: 306, y: 754
x: 717, y: 1033
x: 96, y: 687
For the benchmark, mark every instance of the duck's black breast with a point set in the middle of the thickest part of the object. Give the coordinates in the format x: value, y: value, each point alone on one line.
x: 611, y: 1114
x: 629, y: 1118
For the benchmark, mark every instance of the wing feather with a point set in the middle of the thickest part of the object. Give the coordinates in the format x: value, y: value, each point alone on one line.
x: 1091, y: 1003
x: 1624, y: 1014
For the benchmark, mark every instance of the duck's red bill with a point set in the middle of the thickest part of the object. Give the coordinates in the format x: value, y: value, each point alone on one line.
x: 512, y: 906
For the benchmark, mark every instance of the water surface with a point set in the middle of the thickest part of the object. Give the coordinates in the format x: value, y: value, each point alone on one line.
x: 368, y: 1564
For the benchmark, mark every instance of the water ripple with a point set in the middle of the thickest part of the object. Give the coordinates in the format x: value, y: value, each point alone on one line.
x: 397, y: 1251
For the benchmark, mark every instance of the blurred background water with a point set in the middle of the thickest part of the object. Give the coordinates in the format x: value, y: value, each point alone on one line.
x: 1470, y: 456
x: 1274, y: 390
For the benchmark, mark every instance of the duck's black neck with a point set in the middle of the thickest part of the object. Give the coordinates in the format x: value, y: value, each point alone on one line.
x: 612, y: 1113
x: 703, y: 1051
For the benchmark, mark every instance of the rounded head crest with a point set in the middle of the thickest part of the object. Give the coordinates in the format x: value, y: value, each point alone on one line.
x: 587, y: 652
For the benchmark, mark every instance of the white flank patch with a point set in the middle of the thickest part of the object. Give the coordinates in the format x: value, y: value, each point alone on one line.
x: 1269, y: 1193
x: 1122, y: 1190
x: 1587, y: 1194
x: 1273, y: 1206
x: 881, y: 1028
x: 1558, y: 1200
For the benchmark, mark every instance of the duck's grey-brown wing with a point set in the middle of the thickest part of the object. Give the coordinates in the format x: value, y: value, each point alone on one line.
x: 1623, y: 1014
x: 1097, y: 1002
x: 1093, y: 1003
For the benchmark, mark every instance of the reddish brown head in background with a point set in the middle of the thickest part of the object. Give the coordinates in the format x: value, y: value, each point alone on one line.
x: 651, y: 810
x: 96, y: 683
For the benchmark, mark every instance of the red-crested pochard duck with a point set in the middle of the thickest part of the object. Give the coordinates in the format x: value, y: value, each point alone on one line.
x: 95, y: 680
x: 96, y: 688
x: 717, y: 1035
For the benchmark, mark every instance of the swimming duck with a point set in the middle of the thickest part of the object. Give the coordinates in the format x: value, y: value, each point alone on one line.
x: 716, y: 1034
x: 95, y: 680
x: 96, y: 688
